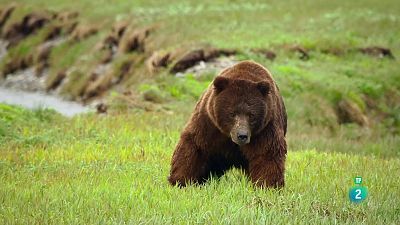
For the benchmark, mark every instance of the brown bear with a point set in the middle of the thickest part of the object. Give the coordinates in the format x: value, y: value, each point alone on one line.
x: 240, y: 121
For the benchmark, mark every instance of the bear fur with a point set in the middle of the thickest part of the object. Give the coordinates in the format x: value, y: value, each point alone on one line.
x: 240, y: 121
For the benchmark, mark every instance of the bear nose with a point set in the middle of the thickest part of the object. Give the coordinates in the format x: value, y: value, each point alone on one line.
x: 242, y: 136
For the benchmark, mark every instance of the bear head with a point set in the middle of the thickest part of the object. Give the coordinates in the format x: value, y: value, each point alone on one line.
x: 241, y: 108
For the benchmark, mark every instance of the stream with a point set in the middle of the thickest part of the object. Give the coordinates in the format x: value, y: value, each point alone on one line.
x: 34, y: 100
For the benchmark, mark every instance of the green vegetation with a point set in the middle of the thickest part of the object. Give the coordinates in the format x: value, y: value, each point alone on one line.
x: 317, y: 26
x: 227, y: 24
x: 186, y: 88
x: 113, y: 169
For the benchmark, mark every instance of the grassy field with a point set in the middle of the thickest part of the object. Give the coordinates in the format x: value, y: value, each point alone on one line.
x: 247, y: 24
x: 113, y: 168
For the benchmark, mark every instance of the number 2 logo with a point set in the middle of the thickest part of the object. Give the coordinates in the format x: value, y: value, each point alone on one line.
x: 358, y: 194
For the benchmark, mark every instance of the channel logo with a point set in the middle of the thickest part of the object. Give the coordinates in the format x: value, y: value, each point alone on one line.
x: 358, y: 193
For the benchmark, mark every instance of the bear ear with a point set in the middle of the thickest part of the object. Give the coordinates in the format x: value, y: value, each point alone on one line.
x: 263, y: 87
x: 220, y: 83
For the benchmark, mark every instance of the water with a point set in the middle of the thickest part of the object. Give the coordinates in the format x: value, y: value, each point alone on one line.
x: 34, y: 100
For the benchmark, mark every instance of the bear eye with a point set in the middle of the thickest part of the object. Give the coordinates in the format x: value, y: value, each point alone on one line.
x: 232, y: 114
x: 251, y: 116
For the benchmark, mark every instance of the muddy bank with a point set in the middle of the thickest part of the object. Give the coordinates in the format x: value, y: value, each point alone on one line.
x: 34, y: 100
x: 24, y: 80
x: 3, y: 49
x: 214, y: 66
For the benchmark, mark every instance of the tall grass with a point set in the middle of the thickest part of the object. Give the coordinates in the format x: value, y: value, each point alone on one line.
x: 113, y: 169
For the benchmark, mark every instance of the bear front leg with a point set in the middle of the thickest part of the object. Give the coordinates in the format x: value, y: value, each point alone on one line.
x: 266, y: 157
x: 189, y: 164
x: 265, y: 172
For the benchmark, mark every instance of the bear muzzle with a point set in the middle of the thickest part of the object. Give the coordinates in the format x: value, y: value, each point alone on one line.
x: 240, y: 132
x: 241, y: 137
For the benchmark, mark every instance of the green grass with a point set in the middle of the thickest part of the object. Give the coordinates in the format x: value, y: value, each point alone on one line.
x: 113, y: 169
x: 275, y: 22
x: 93, y: 169
x: 186, y: 88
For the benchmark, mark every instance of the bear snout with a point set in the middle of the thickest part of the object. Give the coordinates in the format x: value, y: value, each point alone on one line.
x: 241, y: 136
x: 240, y: 133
